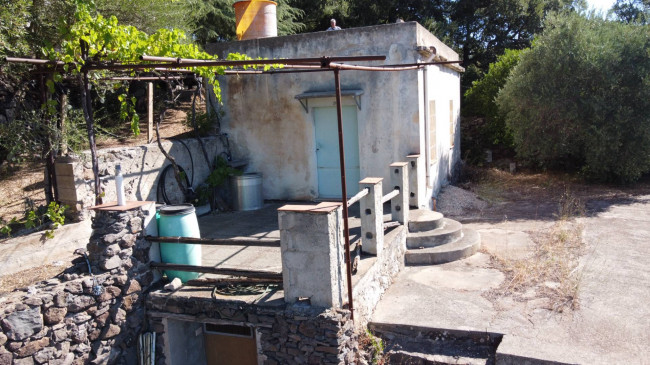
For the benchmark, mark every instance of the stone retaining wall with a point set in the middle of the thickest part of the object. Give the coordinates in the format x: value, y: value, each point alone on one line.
x: 73, y: 319
x: 390, y: 261
x: 287, y: 334
x: 141, y: 168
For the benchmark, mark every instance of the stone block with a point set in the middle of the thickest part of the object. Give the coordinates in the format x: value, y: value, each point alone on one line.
x: 54, y: 315
x: 32, y: 347
x: 22, y: 324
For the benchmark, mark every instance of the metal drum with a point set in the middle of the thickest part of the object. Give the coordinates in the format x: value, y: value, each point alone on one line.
x: 247, y: 191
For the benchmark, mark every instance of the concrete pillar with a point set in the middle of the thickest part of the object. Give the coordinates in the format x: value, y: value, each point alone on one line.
x: 65, y: 183
x: 400, y: 180
x: 149, y: 112
x: 415, y: 167
x: 313, y: 249
x: 372, y: 216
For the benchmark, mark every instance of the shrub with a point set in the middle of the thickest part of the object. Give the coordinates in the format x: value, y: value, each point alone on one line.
x: 579, y: 98
x: 480, y: 102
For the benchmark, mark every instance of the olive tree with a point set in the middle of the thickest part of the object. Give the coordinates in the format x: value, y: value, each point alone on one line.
x: 579, y: 98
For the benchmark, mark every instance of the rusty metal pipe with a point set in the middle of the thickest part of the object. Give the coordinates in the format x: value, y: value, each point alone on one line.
x: 344, y: 193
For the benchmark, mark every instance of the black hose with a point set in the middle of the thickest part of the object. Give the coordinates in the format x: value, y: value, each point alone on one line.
x: 189, y: 153
x: 162, y: 190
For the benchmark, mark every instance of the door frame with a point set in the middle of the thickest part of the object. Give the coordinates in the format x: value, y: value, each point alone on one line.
x: 327, y: 102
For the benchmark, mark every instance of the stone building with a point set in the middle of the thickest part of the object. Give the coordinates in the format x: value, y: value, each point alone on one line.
x: 285, y: 124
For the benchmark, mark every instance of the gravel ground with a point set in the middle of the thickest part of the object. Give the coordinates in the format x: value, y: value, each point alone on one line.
x: 454, y: 201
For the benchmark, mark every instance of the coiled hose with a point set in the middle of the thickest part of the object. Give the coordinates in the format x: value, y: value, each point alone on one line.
x: 161, y: 190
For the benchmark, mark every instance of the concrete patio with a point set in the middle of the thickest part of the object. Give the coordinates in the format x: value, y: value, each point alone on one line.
x: 610, y: 326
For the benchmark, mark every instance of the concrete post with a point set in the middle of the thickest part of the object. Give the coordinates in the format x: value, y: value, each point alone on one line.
x: 414, y: 169
x: 149, y: 112
x: 372, y: 216
x: 65, y: 183
x: 312, y: 247
x: 400, y: 180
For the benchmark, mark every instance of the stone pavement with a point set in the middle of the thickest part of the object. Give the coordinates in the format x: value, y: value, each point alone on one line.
x: 611, y: 326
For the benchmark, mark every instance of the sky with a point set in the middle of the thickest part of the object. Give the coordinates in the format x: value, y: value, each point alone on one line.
x: 601, y: 5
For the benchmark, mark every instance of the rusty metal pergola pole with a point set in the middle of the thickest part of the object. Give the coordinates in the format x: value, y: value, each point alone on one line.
x: 344, y: 193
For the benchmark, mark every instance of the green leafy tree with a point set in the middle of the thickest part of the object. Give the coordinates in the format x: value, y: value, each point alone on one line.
x: 632, y: 11
x: 579, y: 99
x: 147, y: 15
x: 480, y: 101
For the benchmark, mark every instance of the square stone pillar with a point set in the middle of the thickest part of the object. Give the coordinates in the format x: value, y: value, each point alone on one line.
x: 416, y: 166
x: 372, y: 216
x: 313, y: 264
x: 400, y: 180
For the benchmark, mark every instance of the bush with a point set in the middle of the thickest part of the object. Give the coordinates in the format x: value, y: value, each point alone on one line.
x: 480, y: 102
x: 579, y: 98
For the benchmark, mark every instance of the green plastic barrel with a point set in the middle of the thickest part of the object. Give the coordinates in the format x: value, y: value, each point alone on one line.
x: 179, y: 221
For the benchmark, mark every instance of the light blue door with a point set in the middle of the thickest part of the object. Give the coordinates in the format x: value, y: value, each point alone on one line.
x: 327, y: 151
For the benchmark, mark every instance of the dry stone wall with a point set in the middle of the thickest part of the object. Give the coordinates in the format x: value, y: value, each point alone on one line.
x: 288, y: 333
x: 77, y: 318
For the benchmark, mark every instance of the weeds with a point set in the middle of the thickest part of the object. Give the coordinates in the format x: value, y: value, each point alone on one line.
x: 552, y: 270
x: 373, y: 346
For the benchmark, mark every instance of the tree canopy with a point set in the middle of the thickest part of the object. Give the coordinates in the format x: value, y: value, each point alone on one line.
x: 578, y: 99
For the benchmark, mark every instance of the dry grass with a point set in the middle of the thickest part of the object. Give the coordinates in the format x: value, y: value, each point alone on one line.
x: 552, y: 270
x: 27, y: 277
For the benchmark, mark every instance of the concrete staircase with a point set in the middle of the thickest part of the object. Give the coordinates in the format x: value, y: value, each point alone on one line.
x: 434, y: 239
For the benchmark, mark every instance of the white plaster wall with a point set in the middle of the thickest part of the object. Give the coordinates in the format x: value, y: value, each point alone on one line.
x: 444, y: 85
x: 270, y: 128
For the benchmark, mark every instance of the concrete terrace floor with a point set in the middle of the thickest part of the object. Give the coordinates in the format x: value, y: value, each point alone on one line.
x: 257, y: 224
x: 612, y: 324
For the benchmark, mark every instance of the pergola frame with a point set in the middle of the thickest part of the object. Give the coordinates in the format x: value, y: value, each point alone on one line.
x: 175, y: 67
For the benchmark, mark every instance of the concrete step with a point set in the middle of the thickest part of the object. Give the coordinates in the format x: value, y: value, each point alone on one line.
x: 464, y: 247
x: 423, y: 345
x: 424, y: 220
x: 449, y: 231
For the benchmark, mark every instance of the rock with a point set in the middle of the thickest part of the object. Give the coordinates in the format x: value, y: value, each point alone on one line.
x: 60, y: 299
x: 110, y: 263
x: 80, y: 317
x: 121, y: 280
x: 77, y: 303
x: 120, y: 316
x: 60, y: 335
x: 174, y: 285
x: 54, y: 315
x: 67, y: 360
x: 44, y: 355
x: 79, y: 334
x: 126, y: 253
x: 113, y: 330
x: 6, y: 358
x: 136, y: 224
x: 129, y: 300
x: 20, y: 325
x: 25, y: 361
x: 82, y: 348
x: 134, y: 287
x: 33, y: 301
x: 101, y: 319
x: 14, y: 346
x: 32, y: 347
x: 87, y: 283
x: 74, y: 287
x: 128, y: 241
x: 62, y: 349
x: 112, y: 250
x: 3, y: 338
